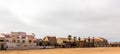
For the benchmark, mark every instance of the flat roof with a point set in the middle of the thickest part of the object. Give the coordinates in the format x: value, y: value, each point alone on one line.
x: 2, y: 36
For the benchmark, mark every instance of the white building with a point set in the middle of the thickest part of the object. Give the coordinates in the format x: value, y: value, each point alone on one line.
x: 20, y: 40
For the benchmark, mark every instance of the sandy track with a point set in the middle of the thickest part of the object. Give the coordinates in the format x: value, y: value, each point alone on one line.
x: 66, y: 51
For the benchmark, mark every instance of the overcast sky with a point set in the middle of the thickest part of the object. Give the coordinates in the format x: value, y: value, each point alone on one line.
x: 62, y: 17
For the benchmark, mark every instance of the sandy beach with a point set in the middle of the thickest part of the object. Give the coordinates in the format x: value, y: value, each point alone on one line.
x: 115, y: 50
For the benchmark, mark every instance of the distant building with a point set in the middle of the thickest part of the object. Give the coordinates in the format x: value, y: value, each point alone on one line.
x: 50, y: 40
x: 62, y: 41
x: 100, y: 42
x: 39, y: 42
x: 65, y: 43
x: 81, y: 43
x: 20, y: 39
x: 96, y: 42
x: 2, y: 42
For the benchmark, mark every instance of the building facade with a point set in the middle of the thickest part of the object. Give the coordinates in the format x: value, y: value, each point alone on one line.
x: 2, y: 42
x: 20, y: 39
x: 50, y: 40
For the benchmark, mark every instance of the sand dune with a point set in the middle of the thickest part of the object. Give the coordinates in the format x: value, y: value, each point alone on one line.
x: 111, y: 50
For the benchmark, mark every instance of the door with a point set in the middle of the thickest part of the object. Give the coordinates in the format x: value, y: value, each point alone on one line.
x: 2, y: 46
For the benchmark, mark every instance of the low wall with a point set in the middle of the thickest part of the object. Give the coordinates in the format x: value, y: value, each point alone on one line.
x: 33, y: 47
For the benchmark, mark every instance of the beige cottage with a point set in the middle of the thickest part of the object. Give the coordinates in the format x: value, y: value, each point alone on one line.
x: 100, y: 42
x: 50, y: 40
x: 62, y: 41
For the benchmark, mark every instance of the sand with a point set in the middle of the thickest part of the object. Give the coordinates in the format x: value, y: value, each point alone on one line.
x: 108, y: 50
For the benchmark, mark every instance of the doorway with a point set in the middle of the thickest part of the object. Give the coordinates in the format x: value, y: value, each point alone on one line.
x: 2, y: 46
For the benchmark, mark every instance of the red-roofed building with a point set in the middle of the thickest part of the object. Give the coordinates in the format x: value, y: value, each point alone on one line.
x: 51, y: 40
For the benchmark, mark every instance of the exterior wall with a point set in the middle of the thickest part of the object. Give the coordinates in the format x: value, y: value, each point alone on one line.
x: 59, y: 41
x: 100, y: 42
x: 2, y: 42
x: 62, y: 40
x: 20, y: 40
x: 31, y: 40
x: 45, y: 39
x: 81, y: 44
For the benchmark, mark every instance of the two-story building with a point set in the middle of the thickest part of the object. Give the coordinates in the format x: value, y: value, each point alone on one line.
x: 20, y: 40
x: 50, y: 40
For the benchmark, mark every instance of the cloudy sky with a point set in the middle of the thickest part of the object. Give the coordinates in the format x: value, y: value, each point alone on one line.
x: 62, y: 17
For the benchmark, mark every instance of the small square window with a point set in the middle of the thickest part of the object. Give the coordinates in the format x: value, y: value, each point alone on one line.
x: 23, y: 41
x: 30, y: 41
x: 18, y: 41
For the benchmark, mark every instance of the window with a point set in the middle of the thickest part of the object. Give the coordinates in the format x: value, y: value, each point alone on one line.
x: 18, y: 41
x: 30, y: 41
x: 23, y: 41
x: 13, y: 41
x: 18, y: 37
x: 7, y: 40
x: 64, y: 41
x: 34, y: 41
x: 1, y: 40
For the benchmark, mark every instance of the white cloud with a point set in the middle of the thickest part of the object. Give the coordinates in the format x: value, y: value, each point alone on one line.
x: 61, y: 17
